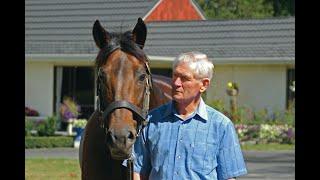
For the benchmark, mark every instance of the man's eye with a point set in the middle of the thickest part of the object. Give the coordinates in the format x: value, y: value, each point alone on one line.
x: 185, y: 78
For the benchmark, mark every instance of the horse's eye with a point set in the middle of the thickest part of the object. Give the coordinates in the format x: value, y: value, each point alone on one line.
x: 142, y: 77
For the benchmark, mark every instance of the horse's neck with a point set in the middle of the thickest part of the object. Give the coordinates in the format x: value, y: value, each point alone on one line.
x: 161, y: 91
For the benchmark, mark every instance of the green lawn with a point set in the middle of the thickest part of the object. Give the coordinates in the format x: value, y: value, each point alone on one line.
x: 52, y: 169
x: 267, y: 147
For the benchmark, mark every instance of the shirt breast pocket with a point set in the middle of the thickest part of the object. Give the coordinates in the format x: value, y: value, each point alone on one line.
x: 203, y: 158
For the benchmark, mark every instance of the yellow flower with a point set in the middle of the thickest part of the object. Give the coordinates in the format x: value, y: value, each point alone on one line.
x: 230, y: 84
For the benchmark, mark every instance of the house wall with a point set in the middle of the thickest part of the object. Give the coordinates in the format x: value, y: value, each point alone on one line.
x: 39, y: 87
x: 260, y: 86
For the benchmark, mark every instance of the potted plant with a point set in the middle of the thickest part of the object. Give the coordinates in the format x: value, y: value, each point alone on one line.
x: 79, y: 125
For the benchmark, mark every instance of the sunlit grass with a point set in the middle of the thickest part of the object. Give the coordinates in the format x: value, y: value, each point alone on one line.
x: 267, y: 147
x: 52, y: 169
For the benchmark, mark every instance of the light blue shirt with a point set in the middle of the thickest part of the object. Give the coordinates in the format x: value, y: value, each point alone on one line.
x: 204, y: 146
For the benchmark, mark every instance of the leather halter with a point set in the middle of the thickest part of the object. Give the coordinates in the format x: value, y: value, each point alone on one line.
x: 138, y: 113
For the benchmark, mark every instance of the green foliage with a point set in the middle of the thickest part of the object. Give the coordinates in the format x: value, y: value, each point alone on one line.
x: 233, y: 9
x: 47, y: 127
x: 48, y: 142
x: 282, y: 7
x: 28, y: 126
x: 245, y: 115
x: 80, y: 123
x: 218, y: 105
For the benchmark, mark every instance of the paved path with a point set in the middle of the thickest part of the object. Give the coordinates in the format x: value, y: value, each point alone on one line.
x: 275, y: 165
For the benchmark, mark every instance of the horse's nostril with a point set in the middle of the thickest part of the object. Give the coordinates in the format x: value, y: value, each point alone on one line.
x: 131, y: 135
x: 111, y: 135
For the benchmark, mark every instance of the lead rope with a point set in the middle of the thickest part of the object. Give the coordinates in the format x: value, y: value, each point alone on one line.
x: 130, y: 168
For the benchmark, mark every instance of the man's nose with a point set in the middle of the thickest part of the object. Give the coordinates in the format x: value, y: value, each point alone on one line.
x: 177, y: 81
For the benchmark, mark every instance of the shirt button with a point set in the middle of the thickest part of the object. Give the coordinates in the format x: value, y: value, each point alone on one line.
x: 177, y: 173
x: 180, y: 140
x: 179, y: 157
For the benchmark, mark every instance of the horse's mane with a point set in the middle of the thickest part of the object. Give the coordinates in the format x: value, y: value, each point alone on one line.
x: 126, y: 44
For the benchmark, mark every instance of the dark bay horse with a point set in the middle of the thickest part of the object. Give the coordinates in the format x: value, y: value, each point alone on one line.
x: 124, y: 88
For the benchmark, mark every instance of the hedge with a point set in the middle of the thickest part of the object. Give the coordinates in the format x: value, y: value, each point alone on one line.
x: 48, y: 142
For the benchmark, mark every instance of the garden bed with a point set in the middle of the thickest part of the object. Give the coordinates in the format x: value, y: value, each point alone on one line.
x: 265, y: 133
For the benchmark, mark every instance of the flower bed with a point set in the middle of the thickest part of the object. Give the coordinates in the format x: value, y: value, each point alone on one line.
x: 30, y: 112
x: 266, y: 133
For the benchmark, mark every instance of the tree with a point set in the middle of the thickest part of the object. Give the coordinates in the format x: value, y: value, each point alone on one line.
x: 233, y: 9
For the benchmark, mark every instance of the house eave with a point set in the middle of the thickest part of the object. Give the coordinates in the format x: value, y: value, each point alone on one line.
x: 162, y: 61
x: 61, y: 59
x: 155, y: 61
x: 255, y: 60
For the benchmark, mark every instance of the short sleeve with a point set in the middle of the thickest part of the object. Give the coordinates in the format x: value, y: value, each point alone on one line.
x: 230, y: 158
x: 142, y: 164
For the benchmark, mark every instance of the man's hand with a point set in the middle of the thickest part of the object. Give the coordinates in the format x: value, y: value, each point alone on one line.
x: 137, y: 176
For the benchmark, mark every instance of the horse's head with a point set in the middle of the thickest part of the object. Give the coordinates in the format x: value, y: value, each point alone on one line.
x: 123, y: 85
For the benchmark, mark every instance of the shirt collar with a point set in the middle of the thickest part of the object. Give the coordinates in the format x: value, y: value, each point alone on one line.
x: 201, y: 110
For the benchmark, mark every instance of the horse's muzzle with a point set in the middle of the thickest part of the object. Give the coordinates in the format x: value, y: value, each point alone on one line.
x: 120, y: 142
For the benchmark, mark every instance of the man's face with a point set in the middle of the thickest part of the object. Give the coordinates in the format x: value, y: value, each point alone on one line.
x: 185, y: 87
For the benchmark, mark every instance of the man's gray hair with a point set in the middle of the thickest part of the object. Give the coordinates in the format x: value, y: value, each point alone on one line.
x: 198, y: 62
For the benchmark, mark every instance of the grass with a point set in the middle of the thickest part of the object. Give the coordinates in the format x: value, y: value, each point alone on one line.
x: 52, y: 169
x: 267, y: 147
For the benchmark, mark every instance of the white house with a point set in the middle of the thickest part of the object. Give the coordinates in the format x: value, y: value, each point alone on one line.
x: 258, y: 54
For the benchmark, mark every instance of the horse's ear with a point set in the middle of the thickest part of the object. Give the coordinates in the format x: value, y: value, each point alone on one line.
x: 140, y: 33
x: 100, y: 35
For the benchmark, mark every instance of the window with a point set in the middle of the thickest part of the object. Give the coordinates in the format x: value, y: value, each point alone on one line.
x: 77, y: 82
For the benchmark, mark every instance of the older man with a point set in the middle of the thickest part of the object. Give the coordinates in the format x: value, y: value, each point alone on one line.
x: 185, y: 138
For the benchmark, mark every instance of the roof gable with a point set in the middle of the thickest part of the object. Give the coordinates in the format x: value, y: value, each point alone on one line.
x: 177, y: 10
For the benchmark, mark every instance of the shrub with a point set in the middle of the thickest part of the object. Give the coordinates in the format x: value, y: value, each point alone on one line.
x: 28, y: 126
x: 47, y: 127
x: 244, y: 115
x: 48, y: 142
x: 218, y: 105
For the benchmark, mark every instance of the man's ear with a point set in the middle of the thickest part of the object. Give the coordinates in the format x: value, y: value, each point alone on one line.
x: 205, y: 84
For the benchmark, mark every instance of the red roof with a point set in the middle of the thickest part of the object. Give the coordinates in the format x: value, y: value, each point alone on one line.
x: 174, y: 10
